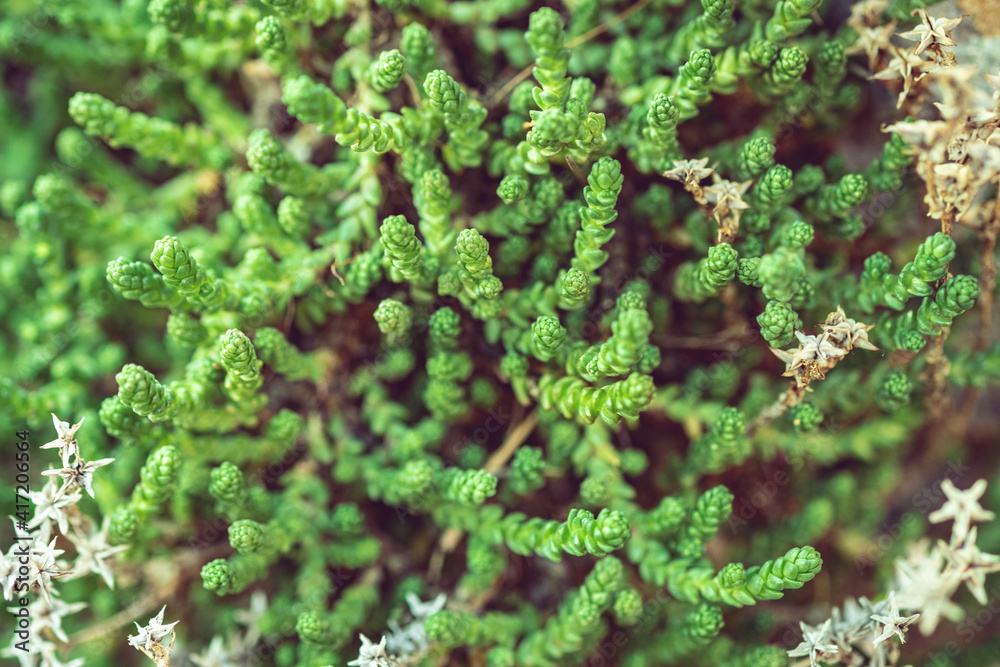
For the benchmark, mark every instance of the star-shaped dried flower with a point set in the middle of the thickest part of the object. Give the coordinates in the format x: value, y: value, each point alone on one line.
x: 251, y: 616
x: 216, y: 655
x: 963, y: 507
x: 821, y: 348
x: 871, y: 41
x: 422, y: 610
x: 937, y: 604
x: 727, y: 197
x: 892, y: 622
x: 921, y: 134
x: 50, y: 504
x: 867, y: 609
x: 903, y: 65
x: 922, y: 564
x: 412, y: 638
x: 931, y: 31
x: 371, y: 654
x: 814, y: 357
x: 408, y: 639
x: 867, y: 12
x: 815, y: 348
x: 42, y: 568
x: 50, y: 614
x: 953, y: 187
x: 36, y: 647
x: 844, y: 332
x: 152, y: 633
x: 922, y: 583
x: 972, y: 564
x: 93, y: 550
x: 66, y: 442
x: 10, y: 566
x: 50, y: 659
x: 846, y: 624
x: 79, y: 474
x: 690, y: 172
x: 813, y: 645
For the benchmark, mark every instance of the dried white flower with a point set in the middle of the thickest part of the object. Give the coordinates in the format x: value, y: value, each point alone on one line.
x: 963, y: 507
x: 892, y: 622
x: 50, y: 504
x: 50, y: 614
x: 844, y: 332
x: 79, y: 474
x: 37, y: 647
x: 422, y: 610
x: 66, y: 442
x: 216, y: 655
x: 904, y: 65
x: 150, y: 639
x: 93, y: 550
x: 871, y: 41
x: 972, y: 564
x: 814, y: 356
x: 852, y: 620
x: 922, y: 584
x: 42, y: 568
x: 372, y: 655
x: 934, y: 34
x: 690, y: 173
x: 412, y: 638
x: 406, y: 640
x: 867, y: 12
x: 818, y: 348
x: 813, y: 642
x: 727, y: 197
x: 251, y: 617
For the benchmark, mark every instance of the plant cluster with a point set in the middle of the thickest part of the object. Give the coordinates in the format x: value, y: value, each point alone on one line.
x: 421, y: 333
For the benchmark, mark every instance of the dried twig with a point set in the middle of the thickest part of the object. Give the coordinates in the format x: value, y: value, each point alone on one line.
x: 576, y: 41
x: 451, y: 537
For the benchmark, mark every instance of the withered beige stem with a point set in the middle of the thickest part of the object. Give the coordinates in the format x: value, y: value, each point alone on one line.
x: 788, y: 399
x: 936, y: 373
x: 576, y: 41
x: 451, y: 537
x: 514, y: 439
